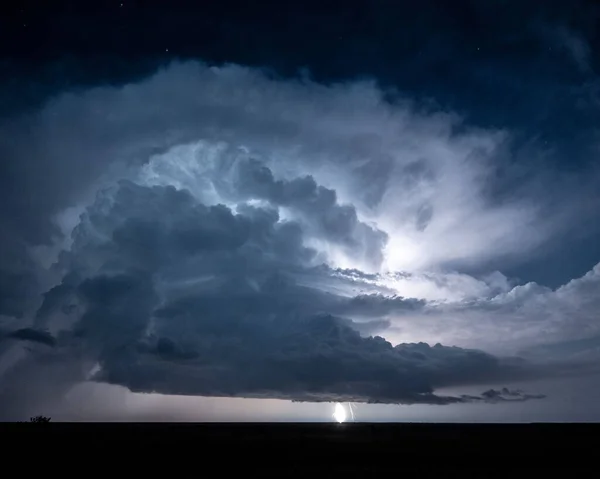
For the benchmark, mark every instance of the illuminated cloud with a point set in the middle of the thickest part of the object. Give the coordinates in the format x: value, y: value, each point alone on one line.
x: 216, y: 231
x: 415, y: 175
x: 171, y: 296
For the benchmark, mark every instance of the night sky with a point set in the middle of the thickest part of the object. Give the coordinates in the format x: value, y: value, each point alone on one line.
x: 212, y: 209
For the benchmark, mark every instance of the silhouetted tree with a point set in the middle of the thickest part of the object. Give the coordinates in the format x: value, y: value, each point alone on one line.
x: 39, y: 419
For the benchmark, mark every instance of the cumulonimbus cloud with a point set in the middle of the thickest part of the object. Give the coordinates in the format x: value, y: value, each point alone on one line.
x: 419, y: 175
x: 172, y: 296
x: 217, y: 231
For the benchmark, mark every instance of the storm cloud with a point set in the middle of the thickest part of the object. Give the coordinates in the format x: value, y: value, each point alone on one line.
x: 176, y: 297
x: 428, y: 168
x: 216, y: 231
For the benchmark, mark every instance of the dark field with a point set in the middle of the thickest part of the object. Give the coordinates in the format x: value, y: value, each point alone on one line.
x: 349, y: 448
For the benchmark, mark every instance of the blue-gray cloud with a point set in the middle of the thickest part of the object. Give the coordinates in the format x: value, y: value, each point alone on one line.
x: 33, y: 335
x: 237, y: 323
x: 220, y: 243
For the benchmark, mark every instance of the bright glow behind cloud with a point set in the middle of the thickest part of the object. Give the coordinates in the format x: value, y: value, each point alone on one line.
x: 427, y: 224
x: 420, y: 177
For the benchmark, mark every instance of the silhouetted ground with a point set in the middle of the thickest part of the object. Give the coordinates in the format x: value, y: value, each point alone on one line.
x: 348, y: 449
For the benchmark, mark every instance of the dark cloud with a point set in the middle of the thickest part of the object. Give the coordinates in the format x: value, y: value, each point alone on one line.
x: 19, y: 281
x: 33, y: 335
x: 152, y: 228
x: 183, y: 298
x: 317, y: 359
x: 17, y: 289
x: 117, y: 310
x: 509, y: 395
x: 317, y: 206
x: 39, y: 381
